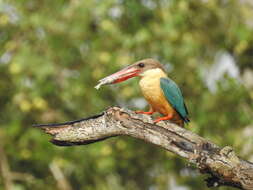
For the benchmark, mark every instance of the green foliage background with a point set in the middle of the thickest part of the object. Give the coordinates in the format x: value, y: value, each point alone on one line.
x: 52, y: 53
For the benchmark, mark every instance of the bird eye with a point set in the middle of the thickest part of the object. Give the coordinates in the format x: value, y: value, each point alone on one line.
x: 141, y: 64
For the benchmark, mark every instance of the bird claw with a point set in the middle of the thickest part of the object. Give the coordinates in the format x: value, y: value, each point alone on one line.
x: 168, y: 117
x: 143, y: 112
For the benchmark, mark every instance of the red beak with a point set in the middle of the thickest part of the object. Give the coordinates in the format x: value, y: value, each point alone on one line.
x: 125, y: 74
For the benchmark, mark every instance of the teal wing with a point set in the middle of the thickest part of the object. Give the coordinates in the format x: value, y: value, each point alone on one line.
x: 174, y: 95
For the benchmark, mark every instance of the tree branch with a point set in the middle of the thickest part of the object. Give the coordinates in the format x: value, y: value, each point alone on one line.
x: 223, y: 165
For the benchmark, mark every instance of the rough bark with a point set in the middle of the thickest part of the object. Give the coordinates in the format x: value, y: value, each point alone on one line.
x: 223, y: 165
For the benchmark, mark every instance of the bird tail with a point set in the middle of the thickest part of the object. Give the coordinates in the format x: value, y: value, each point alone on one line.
x: 186, y: 119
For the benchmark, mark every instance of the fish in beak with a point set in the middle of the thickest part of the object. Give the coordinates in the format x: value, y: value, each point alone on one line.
x: 120, y: 76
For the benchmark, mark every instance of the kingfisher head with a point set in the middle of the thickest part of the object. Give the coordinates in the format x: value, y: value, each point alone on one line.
x: 138, y: 69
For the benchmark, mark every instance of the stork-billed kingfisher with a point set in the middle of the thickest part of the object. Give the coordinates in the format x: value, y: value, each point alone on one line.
x: 162, y: 93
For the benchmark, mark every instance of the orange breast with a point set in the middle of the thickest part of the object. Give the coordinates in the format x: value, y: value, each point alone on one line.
x: 151, y: 90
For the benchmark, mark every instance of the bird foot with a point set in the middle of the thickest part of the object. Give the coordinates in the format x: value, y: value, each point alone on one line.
x: 168, y: 117
x: 143, y: 112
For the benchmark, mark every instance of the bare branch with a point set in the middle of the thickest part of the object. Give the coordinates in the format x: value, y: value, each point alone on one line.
x: 223, y: 165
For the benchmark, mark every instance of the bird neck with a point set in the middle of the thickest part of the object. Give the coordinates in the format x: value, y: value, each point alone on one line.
x: 153, y: 73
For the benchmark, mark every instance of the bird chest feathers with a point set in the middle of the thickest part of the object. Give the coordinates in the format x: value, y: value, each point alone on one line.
x: 151, y: 90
